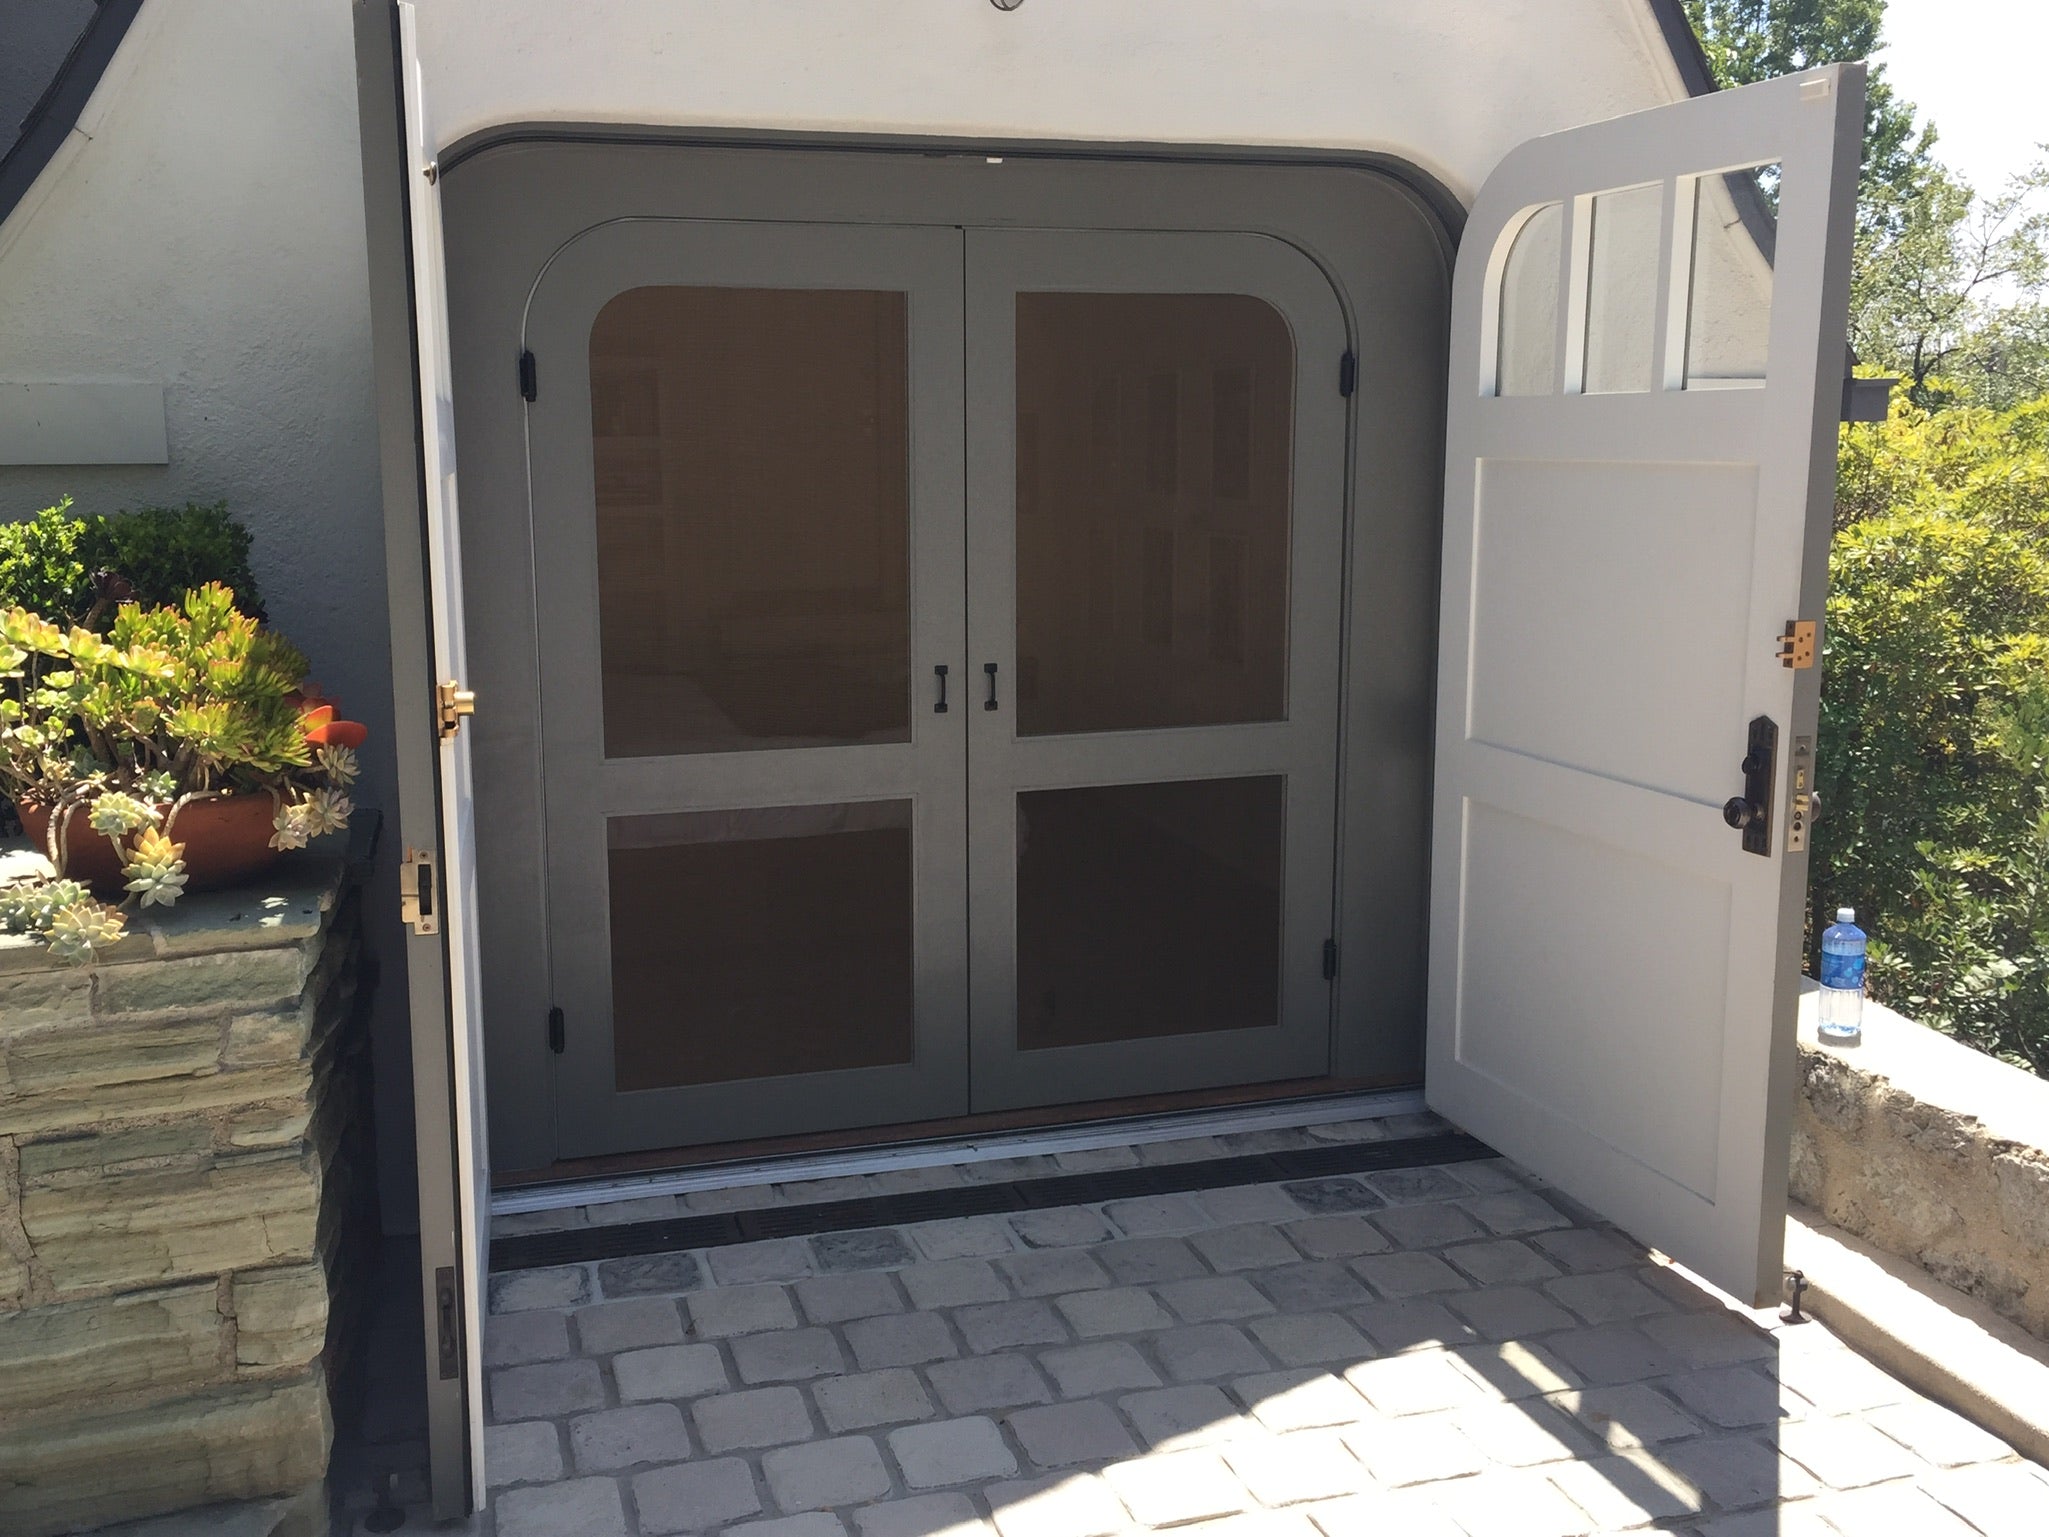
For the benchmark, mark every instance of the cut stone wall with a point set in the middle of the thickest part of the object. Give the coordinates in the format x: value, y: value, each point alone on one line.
x: 1933, y: 1152
x: 184, y: 1187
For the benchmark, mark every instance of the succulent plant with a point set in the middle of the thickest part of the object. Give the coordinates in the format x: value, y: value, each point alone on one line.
x: 116, y: 814
x: 338, y: 763
x: 156, y: 869
x: 27, y: 907
x: 80, y: 930
x: 116, y: 731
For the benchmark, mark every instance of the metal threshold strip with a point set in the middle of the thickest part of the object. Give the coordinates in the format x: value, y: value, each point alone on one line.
x: 580, y: 1245
x: 1128, y: 1131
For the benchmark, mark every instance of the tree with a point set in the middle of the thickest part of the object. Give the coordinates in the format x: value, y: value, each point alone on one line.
x: 1944, y: 283
x: 1751, y: 40
x: 1934, y: 751
x: 1956, y: 287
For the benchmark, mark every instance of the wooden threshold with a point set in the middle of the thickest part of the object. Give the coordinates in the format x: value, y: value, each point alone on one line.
x: 669, y: 1160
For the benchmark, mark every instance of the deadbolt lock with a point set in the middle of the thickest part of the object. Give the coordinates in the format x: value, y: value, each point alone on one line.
x: 452, y: 703
x: 1751, y: 812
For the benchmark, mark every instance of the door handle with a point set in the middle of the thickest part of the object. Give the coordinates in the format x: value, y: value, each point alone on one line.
x: 1751, y: 812
x: 940, y: 673
x: 990, y: 669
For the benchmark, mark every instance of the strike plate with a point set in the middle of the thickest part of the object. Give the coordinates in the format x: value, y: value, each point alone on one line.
x: 416, y: 892
x: 1801, y: 811
x: 1796, y: 646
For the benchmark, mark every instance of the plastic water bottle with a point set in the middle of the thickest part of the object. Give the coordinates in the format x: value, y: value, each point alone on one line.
x: 1842, y: 980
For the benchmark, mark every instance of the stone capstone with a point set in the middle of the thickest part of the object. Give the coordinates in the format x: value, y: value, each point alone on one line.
x: 180, y: 1213
x: 1931, y: 1152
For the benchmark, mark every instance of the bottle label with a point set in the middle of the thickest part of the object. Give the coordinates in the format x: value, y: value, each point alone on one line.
x: 1843, y: 971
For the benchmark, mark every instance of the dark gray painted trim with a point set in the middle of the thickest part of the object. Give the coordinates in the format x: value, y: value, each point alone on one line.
x: 402, y: 473
x: 1685, y: 47
x: 1437, y: 197
x: 55, y: 113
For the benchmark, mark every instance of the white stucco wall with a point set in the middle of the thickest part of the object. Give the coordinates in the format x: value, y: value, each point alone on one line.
x: 203, y: 228
x: 204, y: 232
x: 1452, y: 85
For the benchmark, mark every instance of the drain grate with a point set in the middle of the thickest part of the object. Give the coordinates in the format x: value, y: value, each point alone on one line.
x: 576, y: 1245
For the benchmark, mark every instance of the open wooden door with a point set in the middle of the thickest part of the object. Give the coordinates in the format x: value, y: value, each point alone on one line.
x: 1646, y: 382
x: 437, y: 876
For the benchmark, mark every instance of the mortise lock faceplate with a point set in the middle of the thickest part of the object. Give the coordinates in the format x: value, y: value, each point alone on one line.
x: 1802, y: 808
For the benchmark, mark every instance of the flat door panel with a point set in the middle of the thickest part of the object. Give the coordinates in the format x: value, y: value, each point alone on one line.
x: 1156, y: 454
x: 1646, y: 376
x: 747, y: 493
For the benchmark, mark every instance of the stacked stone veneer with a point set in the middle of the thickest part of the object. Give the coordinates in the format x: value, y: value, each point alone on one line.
x: 1933, y: 1152
x: 183, y: 1177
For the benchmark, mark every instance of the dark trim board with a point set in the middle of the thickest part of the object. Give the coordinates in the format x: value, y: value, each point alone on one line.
x: 1684, y: 44
x: 579, y: 1245
x: 56, y: 112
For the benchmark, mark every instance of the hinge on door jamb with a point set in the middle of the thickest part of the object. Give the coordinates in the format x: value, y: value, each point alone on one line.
x: 1796, y: 646
x: 453, y: 704
x: 416, y: 892
x: 1330, y: 960
x: 529, y: 377
x: 558, y: 1033
x: 1348, y: 374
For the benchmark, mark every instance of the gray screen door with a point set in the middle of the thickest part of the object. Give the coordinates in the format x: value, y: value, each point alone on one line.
x: 747, y: 492
x: 1155, y: 526
x: 938, y: 670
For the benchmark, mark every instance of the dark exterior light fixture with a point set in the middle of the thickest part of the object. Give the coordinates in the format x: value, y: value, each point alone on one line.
x: 1006, y: 5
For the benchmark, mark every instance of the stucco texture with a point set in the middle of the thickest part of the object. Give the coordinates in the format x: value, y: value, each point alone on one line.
x: 204, y: 230
x: 1450, y: 86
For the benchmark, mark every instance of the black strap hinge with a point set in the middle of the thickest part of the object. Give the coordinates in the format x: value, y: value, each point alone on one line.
x: 529, y: 379
x: 1348, y: 375
x: 558, y: 1033
x: 1330, y: 960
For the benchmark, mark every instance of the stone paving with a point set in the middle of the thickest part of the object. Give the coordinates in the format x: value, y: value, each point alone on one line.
x: 1420, y: 1352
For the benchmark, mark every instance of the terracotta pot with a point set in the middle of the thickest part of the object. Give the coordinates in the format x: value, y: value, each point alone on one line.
x: 227, y: 842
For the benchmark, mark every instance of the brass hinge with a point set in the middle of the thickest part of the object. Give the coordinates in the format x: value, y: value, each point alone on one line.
x: 452, y: 702
x: 1796, y: 646
x: 416, y: 892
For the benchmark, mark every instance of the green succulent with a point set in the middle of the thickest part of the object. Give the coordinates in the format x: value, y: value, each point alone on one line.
x: 156, y: 870
x: 338, y: 763
x: 121, y: 726
x: 81, y: 930
x: 116, y: 814
x: 29, y: 906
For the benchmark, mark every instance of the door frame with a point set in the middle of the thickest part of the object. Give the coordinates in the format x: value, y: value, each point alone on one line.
x: 512, y: 205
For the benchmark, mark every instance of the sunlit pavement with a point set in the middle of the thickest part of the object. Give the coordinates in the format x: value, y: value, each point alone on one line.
x: 1447, y: 1350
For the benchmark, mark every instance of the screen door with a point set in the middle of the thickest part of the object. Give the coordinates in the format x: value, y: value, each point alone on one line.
x: 1155, y: 523
x: 747, y: 491
x: 1646, y: 382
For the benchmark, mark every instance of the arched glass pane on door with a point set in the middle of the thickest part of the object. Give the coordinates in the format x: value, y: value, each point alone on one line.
x: 1526, y: 351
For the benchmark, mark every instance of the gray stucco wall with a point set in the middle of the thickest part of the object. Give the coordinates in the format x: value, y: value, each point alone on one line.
x: 206, y: 234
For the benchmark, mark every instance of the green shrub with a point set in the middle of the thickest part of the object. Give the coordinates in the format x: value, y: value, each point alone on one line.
x: 1935, y: 710
x: 50, y: 564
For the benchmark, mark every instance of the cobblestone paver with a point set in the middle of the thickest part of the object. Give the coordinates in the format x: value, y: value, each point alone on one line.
x: 1424, y: 1351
